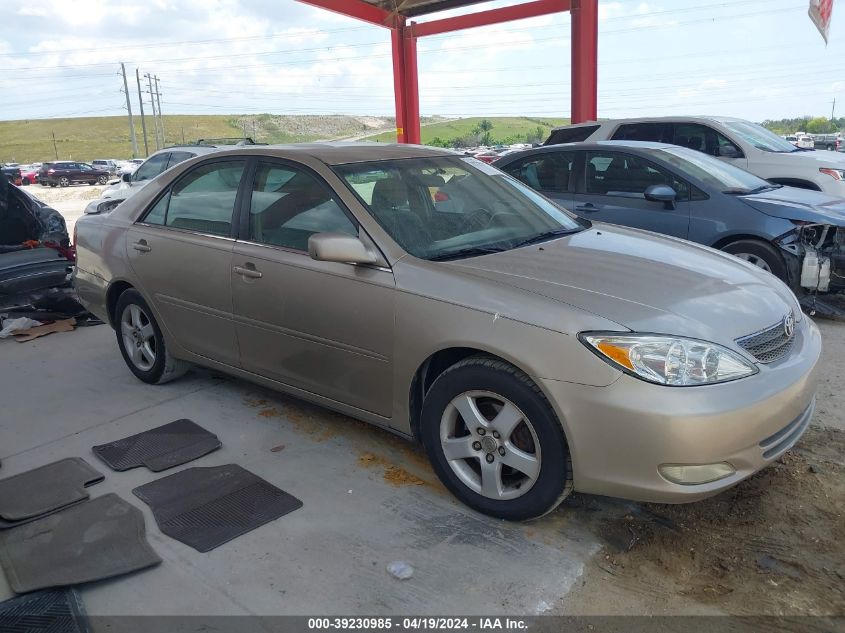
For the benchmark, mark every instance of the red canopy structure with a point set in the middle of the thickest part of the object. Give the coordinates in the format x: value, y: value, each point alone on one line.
x: 396, y: 15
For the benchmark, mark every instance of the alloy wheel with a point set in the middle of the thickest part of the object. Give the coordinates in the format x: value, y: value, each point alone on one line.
x: 754, y: 259
x: 138, y: 337
x: 490, y: 445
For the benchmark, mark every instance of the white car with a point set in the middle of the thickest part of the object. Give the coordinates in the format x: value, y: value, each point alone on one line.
x: 805, y: 141
x: 737, y: 141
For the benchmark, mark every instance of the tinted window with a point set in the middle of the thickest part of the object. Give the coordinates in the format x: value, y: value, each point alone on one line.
x: 152, y: 167
x: 612, y: 174
x: 203, y: 200
x: 288, y: 205
x: 653, y: 132
x: 718, y: 174
x: 699, y: 137
x: 760, y: 137
x: 157, y: 214
x: 571, y: 135
x: 451, y: 207
x: 550, y: 171
x: 178, y: 157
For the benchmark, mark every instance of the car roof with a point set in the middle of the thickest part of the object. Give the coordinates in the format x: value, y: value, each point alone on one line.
x: 657, y: 119
x: 342, y: 152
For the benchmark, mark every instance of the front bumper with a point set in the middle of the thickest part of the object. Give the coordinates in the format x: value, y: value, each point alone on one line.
x: 620, y: 434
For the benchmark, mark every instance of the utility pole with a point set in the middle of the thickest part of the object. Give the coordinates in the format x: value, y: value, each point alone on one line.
x: 129, y: 110
x: 141, y: 103
x: 160, y: 118
x: 832, y: 109
x: 55, y: 149
x: 153, y: 104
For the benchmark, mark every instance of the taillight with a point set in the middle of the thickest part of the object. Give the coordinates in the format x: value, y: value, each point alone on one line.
x: 51, y: 171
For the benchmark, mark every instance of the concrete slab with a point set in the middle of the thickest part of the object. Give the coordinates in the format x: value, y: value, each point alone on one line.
x: 370, y: 498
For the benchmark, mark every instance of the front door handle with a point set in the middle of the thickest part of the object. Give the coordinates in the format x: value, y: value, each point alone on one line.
x: 141, y: 246
x: 586, y: 208
x: 248, y: 270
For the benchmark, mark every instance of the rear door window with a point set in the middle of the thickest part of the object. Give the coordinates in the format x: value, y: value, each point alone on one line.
x: 654, y: 132
x: 571, y: 134
x: 203, y: 200
x: 549, y: 171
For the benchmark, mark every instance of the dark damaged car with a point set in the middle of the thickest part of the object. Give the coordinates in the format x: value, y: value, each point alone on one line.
x: 796, y: 234
x: 35, y: 249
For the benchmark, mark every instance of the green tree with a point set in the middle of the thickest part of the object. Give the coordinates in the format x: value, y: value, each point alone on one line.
x: 819, y: 125
x: 482, y: 132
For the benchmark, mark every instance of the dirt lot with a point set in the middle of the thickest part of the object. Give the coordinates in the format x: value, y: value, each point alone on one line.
x: 773, y: 545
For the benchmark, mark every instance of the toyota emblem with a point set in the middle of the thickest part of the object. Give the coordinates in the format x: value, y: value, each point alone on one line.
x: 789, y: 325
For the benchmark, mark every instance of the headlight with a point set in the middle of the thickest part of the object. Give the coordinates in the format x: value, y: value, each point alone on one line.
x: 836, y: 174
x: 668, y: 360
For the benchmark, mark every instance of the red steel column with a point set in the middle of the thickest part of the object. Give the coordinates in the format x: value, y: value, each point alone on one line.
x: 585, y: 28
x: 412, y: 88
x: 397, y: 40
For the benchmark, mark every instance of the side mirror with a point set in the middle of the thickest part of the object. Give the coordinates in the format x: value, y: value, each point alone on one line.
x: 661, y: 193
x: 339, y: 247
x: 126, y: 177
x: 729, y: 151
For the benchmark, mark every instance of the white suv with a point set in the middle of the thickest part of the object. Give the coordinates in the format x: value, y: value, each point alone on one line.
x: 742, y: 143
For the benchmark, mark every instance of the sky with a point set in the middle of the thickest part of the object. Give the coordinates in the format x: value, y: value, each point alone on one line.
x: 755, y: 59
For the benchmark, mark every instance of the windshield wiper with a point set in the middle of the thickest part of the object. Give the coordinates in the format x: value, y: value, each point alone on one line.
x: 472, y: 251
x: 547, y: 235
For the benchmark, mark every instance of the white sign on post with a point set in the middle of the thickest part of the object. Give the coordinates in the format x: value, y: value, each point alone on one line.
x: 819, y: 12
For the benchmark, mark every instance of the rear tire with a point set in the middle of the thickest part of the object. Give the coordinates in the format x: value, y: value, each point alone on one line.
x: 510, y: 459
x: 103, y: 180
x: 141, y: 342
x: 64, y: 181
x: 760, y: 254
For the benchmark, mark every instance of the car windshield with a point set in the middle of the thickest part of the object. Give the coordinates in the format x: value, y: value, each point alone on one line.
x: 760, y: 137
x: 712, y: 171
x: 447, y: 207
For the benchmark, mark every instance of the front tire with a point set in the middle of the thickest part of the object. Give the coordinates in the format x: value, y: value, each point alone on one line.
x: 494, y: 440
x: 142, y: 343
x: 762, y: 255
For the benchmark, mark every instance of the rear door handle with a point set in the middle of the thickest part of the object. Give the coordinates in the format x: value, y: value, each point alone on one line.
x: 586, y: 208
x: 141, y: 245
x: 248, y: 270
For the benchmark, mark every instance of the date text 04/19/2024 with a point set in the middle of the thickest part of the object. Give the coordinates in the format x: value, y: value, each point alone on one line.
x: 418, y: 624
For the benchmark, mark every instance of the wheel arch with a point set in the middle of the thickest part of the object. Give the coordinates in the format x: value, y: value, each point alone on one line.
x: 722, y: 242
x: 437, y: 363
x: 116, y: 288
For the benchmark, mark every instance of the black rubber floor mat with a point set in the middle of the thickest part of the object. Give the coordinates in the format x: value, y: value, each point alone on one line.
x: 98, y: 539
x: 206, y: 507
x: 159, y: 449
x: 51, y: 611
x: 45, y: 490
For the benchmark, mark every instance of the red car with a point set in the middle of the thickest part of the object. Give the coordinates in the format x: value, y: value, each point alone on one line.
x: 29, y: 176
x: 13, y: 174
x: 488, y: 156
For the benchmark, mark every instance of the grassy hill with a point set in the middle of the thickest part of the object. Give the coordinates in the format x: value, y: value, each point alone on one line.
x: 505, y: 129
x: 108, y: 137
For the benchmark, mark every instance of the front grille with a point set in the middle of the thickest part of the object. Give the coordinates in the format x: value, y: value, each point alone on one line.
x: 768, y: 345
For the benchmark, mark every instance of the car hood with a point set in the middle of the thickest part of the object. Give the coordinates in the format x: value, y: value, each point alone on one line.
x: 792, y: 203
x: 645, y: 282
